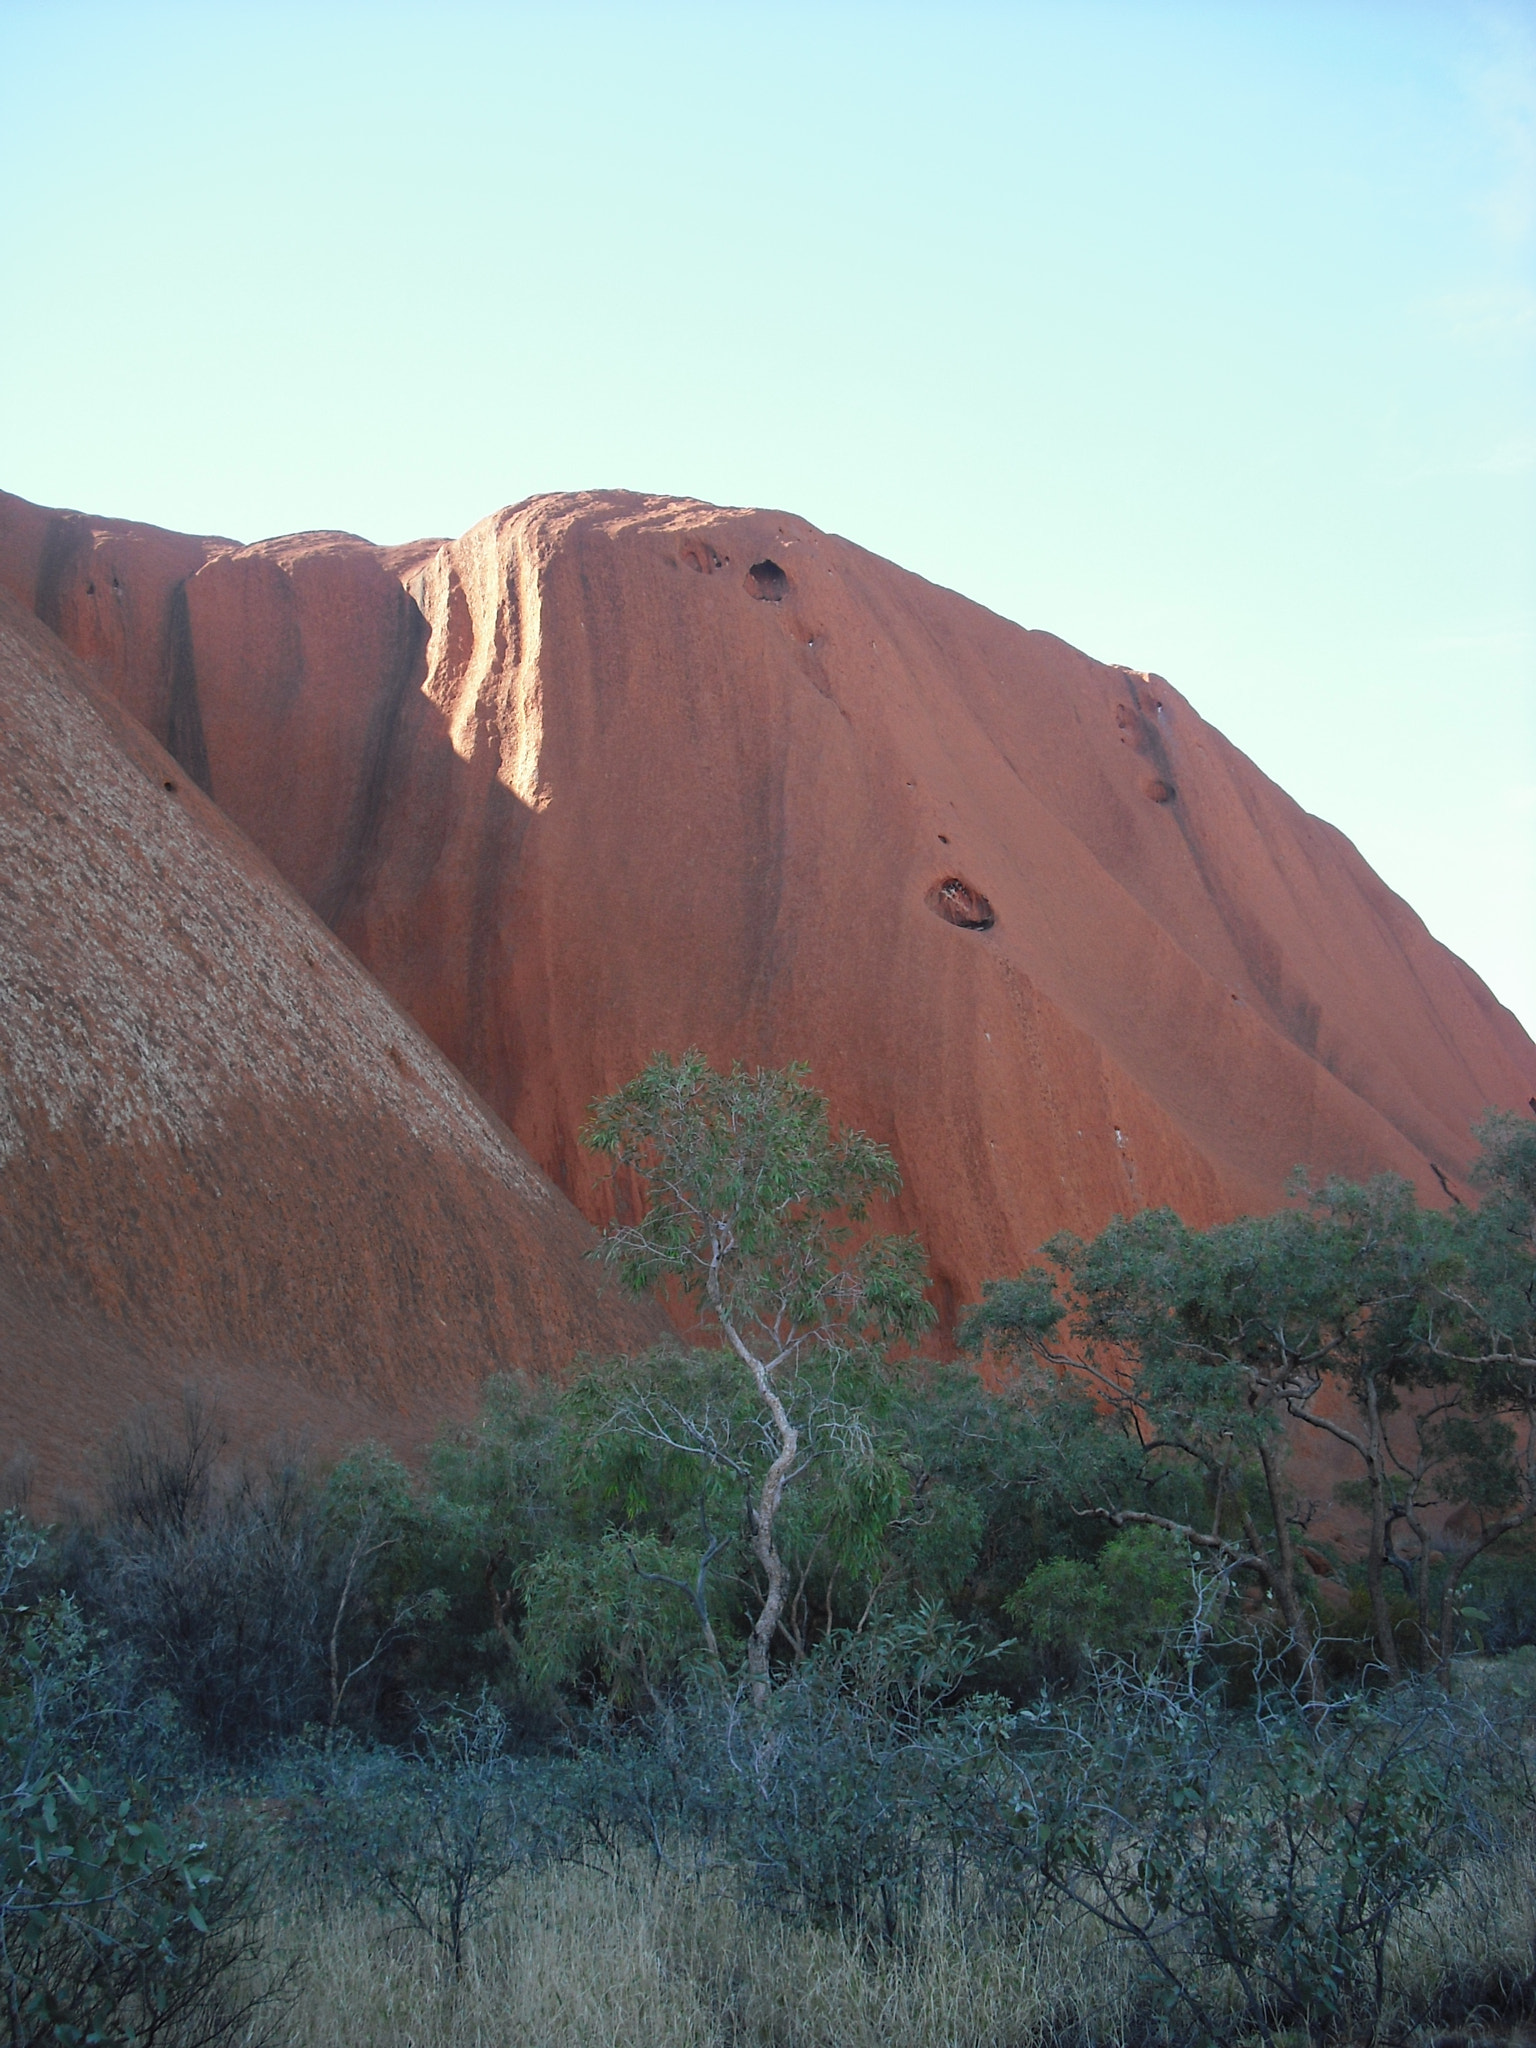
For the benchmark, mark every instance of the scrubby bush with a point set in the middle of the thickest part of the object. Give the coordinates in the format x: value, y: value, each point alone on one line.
x: 1131, y: 1601
x: 429, y: 1832
x: 855, y: 1793
x: 1260, y: 1862
x: 843, y: 1799
x: 120, y: 1921
x: 259, y: 1596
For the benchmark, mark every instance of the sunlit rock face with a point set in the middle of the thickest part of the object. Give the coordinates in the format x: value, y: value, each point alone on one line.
x: 225, y: 1155
x: 614, y: 773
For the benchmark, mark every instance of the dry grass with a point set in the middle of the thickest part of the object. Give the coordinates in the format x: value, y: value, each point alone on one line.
x: 573, y: 1959
x: 1477, y: 1925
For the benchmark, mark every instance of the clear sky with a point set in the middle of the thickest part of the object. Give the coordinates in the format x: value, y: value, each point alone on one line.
x: 1201, y: 334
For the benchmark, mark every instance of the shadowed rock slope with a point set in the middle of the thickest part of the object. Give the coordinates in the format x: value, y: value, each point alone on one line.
x: 224, y: 1153
x: 611, y: 773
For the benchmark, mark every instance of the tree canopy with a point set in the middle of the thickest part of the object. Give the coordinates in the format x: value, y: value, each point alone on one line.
x: 750, y: 1195
x: 1403, y: 1335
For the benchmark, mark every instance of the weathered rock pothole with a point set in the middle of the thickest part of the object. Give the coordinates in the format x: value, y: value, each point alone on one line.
x: 767, y: 581
x: 958, y: 903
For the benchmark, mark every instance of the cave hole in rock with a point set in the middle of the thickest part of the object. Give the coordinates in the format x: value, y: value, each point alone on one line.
x: 171, y: 787
x: 958, y: 903
x: 766, y: 580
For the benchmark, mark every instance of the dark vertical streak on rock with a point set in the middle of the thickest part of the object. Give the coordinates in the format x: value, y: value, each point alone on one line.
x: 61, y: 553
x: 491, y: 1063
x: 184, y: 718
x: 1295, y: 1014
x: 347, y: 887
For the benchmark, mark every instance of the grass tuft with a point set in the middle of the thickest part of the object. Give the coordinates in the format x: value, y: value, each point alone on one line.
x: 573, y: 1958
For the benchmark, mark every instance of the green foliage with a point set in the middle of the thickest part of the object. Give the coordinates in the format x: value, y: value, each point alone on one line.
x: 667, y: 1455
x: 1258, y: 1863
x: 1230, y: 1330
x: 1206, y: 1352
x: 615, y: 1619
x: 117, y: 1922
x: 104, y: 1929
x: 1482, y: 1325
x: 1133, y: 1601
x: 499, y: 1497
x: 748, y: 1187
x: 430, y: 1833
x: 375, y: 1529
x: 750, y: 1193
x: 989, y: 1497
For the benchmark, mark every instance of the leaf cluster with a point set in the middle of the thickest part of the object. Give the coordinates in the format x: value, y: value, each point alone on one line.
x: 119, y: 1920
x: 750, y: 1195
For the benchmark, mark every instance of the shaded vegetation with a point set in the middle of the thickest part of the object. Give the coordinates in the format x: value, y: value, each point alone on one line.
x: 832, y: 1637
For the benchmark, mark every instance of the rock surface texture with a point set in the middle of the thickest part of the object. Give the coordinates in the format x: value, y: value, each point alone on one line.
x: 224, y: 1153
x: 613, y: 773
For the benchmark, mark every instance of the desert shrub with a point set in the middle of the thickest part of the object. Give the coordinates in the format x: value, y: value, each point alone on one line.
x: 1255, y: 1872
x: 429, y: 1833
x: 852, y: 1795
x: 213, y: 1578
x: 841, y: 1800
x: 119, y: 1920
x: 115, y: 1924
x: 257, y: 1595
x: 1261, y: 1863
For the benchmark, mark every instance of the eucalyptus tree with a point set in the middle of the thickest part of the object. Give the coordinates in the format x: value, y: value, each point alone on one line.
x: 1405, y: 1336
x: 1202, y: 1351
x: 1479, y: 1328
x: 750, y: 1201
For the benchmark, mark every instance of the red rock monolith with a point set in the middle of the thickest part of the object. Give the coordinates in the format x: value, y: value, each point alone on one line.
x: 612, y: 773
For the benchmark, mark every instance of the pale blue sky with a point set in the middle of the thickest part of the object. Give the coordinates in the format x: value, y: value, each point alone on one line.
x: 1202, y: 334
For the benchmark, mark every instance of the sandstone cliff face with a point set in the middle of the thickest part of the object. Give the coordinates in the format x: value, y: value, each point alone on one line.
x: 613, y: 773
x: 224, y: 1154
